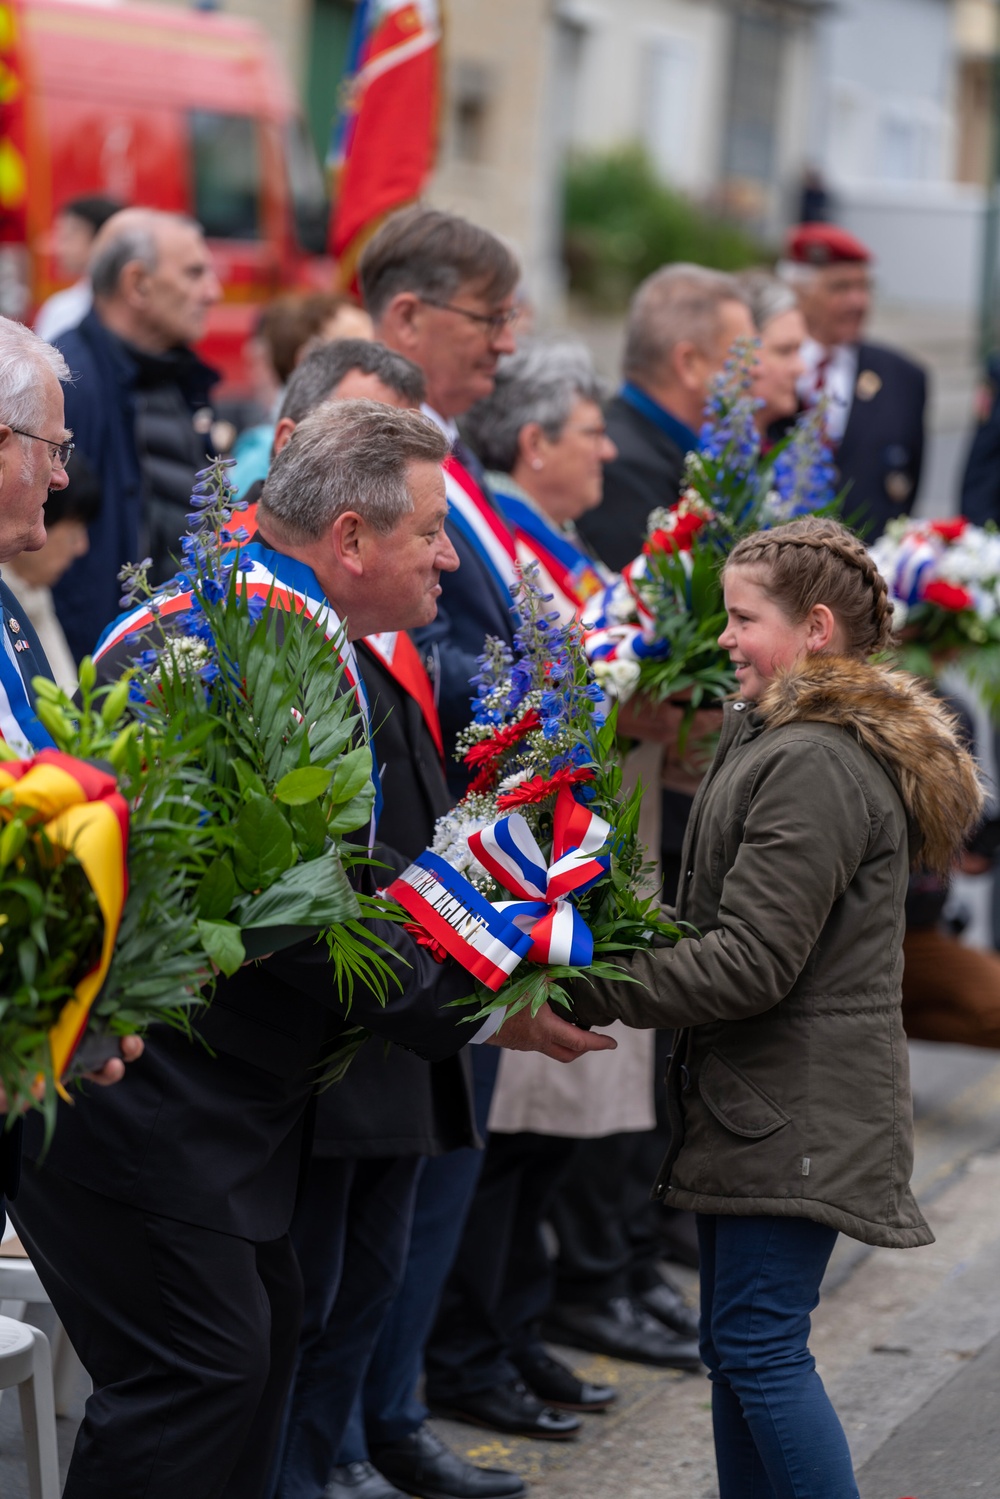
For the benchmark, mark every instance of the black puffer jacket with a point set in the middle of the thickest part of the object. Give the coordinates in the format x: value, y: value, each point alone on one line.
x: 172, y: 427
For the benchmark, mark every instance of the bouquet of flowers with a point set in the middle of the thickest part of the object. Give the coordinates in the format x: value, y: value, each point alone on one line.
x: 944, y: 583
x: 240, y: 764
x: 654, y: 631
x: 540, y: 860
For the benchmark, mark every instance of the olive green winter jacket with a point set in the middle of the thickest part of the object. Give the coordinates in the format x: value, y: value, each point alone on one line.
x: 789, y: 1088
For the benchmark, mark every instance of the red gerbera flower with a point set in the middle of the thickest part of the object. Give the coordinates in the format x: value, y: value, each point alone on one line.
x: 537, y: 789
x: 948, y: 596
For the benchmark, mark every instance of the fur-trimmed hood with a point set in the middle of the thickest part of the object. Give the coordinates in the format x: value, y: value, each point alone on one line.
x: 899, y: 720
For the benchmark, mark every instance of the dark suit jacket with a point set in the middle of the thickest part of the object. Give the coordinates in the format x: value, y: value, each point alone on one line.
x: 646, y: 473
x: 391, y: 1103
x: 210, y: 1131
x: 101, y: 407
x: 471, y: 607
x: 881, y: 452
x: 981, y: 483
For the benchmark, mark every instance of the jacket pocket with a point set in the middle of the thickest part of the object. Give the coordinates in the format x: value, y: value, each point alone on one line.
x: 737, y: 1102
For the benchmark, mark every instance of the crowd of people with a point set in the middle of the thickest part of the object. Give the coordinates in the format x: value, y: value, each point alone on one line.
x: 271, y: 1287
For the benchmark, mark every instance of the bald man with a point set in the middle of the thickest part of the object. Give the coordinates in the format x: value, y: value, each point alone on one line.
x: 139, y: 402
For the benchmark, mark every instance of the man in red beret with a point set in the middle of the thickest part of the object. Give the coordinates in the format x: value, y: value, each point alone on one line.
x: 874, y: 396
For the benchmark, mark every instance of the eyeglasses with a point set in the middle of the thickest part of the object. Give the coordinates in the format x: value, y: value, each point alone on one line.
x: 495, y: 322
x: 60, y: 450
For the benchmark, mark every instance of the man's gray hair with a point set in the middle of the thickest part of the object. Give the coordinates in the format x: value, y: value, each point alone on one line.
x: 766, y: 297
x: 679, y: 303
x: 23, y: 355
x: 322, y: 370
x: 127, y: 236
x: 347, y: 455
x: 796, y: 274
x: 539, y: 384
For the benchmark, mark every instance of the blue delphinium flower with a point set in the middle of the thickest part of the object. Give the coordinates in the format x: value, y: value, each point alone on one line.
x: 804, y: 472
x: 729, y: 429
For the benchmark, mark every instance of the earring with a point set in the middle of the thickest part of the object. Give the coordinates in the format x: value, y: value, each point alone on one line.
x: 536, y: 463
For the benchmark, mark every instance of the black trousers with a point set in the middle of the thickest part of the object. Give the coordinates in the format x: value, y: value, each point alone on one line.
x: 351, y: 1233
x: 610, y: 1233
x: 189, y: 1336
x: 501, y: 1281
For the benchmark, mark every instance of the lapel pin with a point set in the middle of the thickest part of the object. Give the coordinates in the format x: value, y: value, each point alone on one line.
x: 868, y: 386
x: 13, y: 625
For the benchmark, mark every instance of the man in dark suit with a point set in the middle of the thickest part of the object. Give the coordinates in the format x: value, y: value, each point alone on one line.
x: 981, y: 481
x: 682, y: 323
x: 874, y: 396
x: 374, y: 1130
x: 34, y: 450
x: 177, y: 1282
x: 442, y: 291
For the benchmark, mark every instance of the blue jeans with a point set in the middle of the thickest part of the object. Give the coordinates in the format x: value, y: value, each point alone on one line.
x: 776, y: 1434
x: 388, y: 1408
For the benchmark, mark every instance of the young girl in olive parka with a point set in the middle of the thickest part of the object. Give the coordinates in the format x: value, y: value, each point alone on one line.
x: 789, y: 1085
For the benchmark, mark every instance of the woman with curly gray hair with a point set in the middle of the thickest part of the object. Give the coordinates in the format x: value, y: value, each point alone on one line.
x: 542, y: 436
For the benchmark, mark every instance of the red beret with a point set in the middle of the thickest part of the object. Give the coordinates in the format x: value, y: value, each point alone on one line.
x: 824, y: 244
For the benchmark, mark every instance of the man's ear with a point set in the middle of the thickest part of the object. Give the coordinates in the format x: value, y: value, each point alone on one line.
x: 399, y: 325
x: 347, y: 542
x: 282, y: 433
x: 685, y: 360
x: 132, y: 281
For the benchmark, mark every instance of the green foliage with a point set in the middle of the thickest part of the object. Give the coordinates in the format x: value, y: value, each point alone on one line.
x: 622, y: 222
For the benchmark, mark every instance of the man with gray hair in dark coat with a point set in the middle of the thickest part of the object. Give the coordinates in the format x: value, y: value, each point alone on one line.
x: 140, y: 403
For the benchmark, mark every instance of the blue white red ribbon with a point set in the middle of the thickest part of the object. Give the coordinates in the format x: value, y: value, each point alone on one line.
x: 470, y: 928
x: 508, y: 851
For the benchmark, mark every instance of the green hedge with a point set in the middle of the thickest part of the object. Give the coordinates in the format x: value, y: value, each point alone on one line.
x: 621, y: 222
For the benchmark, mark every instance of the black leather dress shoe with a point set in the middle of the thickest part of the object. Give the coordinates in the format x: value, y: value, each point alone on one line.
x: 669, y: 1307
x: 421, y: 1464
x: 359, y: 1481
x: 558, y: 1386
x: 622, y: 1328
x: 511, y: 1408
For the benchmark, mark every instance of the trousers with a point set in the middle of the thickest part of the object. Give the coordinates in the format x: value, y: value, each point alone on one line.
x: 776, y: 1434
x: 351, y: 1232
x: 189, y: 1336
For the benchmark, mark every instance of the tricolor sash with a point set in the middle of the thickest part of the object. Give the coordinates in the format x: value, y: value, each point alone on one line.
x: 571, y: 570
x: 284, y: 583
x: 508, y: 850
x: 19, y: 724
x: 79, y: 808
x: 468, y: 926
x: 401, y: 659
x: 482, y: 526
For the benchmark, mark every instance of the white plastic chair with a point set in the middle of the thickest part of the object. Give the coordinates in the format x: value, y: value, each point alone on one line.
x: 25, y: 1361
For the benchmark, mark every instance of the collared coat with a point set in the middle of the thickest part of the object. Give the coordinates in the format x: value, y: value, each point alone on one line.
x: 788, y: 1090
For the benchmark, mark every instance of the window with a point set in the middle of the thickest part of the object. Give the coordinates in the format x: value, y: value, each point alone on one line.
x: 225, y: 158
x: 669, y: 67
x: 310, y: 206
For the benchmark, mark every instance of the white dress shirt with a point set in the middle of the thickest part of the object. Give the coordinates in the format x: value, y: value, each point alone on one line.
x: 836, y: 382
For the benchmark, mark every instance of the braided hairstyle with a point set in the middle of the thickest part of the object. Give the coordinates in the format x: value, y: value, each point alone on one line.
x: 818, y: 561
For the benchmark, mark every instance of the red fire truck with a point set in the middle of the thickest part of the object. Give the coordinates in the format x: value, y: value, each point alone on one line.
x: 171, y: 109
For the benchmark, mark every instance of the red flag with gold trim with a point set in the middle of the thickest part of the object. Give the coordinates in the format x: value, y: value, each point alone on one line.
x: 388, y: 130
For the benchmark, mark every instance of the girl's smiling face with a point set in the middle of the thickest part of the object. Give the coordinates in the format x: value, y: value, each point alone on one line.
x: 759, y: 636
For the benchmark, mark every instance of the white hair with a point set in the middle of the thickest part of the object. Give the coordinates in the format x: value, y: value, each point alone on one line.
x: 796, y: 274
x: 23, y: 356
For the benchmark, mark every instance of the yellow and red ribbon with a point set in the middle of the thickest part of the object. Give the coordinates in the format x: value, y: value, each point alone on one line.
x: 80, y: 809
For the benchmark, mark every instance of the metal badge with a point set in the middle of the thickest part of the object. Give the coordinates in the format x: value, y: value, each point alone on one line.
x: 868, y: 386
x: 898, y: 485
x: 13, y: 625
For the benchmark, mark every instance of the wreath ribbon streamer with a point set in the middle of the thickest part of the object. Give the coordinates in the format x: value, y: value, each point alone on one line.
x: 80, y: 810
x: 508, y: 850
